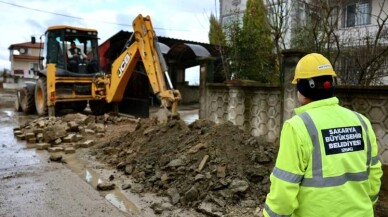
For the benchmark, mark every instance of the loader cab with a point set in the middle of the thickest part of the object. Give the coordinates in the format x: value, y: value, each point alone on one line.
x: 57, y: 42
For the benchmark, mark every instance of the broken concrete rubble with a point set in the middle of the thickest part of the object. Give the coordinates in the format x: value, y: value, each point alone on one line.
x: 105, y: 186
x: 63, y: 134
x: 217, y: 165
x: 55, y: 157
x: 199, y: 165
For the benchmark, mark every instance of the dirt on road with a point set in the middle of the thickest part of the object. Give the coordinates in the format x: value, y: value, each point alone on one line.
x: 213, y: 169
x: 202, y: 168
x: 199, y: 165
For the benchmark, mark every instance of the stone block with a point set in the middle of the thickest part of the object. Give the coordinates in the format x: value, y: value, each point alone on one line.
x: 17, y: 132
x: 42, y: 146
x: 87, y: 143
x: 69, y: 150
x: 29, y: 135
x: 69, y: 138
x: 89, y: 131
x: 78, y: 138
x: 105, y: 186
x: 58, y: 141
x: 55, y: 157
x: 74, y: 127
x: 55, y: 149
x: 21, y: 137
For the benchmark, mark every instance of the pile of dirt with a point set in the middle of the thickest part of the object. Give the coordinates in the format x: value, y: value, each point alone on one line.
x: 218, y: 169
x: 202, y: 164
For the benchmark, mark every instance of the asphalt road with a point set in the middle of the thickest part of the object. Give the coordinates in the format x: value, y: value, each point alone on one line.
x: 32, y: 186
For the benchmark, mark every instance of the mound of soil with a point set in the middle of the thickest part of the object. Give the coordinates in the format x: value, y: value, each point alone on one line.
x: 202, y: 162
x: 217, y: 169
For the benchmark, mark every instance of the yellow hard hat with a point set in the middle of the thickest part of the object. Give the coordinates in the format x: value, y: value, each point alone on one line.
x: 313, y: 65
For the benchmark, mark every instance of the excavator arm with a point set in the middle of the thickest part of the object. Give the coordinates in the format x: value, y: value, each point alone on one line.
x: 146, y: 48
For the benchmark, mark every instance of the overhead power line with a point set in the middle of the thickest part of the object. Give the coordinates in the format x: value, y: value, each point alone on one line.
x: 59, y: 14
x: 78, y: 18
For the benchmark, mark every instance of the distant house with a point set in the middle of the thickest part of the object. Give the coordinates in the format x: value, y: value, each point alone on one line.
x: 24, y: 59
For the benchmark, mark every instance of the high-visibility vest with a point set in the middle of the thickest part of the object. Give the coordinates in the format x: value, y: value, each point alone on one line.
x: 327, y: 164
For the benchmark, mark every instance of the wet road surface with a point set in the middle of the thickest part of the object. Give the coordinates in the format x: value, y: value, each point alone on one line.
x: 32, y: 186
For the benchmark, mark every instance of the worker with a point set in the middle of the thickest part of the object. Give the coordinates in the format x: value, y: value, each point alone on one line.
x: 327, y: 164
x: 76, y: 56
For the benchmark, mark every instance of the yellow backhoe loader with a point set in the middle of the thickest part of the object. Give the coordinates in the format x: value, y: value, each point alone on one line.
x: 70, y: 72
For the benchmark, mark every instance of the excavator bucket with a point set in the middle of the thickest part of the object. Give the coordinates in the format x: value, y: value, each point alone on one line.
x: 163, y: 115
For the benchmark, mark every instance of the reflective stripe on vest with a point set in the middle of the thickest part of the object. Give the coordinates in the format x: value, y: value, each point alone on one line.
x: 318, y: 180
x: 369, y: 155
x: 287, y: 176
x: 375, y: 160
x: 271, y: 213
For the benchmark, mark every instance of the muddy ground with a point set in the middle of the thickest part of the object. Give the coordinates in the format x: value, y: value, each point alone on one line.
x: 177, y: 168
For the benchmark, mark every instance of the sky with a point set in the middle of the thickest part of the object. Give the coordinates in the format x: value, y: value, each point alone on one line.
x: 181, y: 19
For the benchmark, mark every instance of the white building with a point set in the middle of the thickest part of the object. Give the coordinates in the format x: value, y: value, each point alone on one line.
x: 24, y: 59
x: 355, y: 17
x: 353, y: 23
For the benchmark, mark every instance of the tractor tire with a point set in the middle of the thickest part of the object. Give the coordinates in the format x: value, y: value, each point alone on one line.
x: 18, y: 108
x: 99, y: 107
x: 41, y: 96
x: 26, y: 99
x: 79, y: 106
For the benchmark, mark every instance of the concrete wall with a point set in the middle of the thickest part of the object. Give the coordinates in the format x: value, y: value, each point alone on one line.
x: 257, y: 109
x: 190, y: 94
x: 261, y: 110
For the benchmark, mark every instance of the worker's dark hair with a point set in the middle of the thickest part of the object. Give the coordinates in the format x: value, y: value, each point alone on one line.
x: 317, y: 88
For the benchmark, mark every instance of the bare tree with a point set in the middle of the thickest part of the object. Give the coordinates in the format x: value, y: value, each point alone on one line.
x: 230, y: 50
x: 376, y: 46
x: 359, y: 54
x: 279, y: 12
x: 217, y: 37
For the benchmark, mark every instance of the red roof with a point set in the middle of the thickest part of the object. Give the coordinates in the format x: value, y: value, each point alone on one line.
x: 26, y: 45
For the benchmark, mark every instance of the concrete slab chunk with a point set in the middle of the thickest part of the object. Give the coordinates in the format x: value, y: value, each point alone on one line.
x: 87, y: 143
x: 42, y: 146
x: 55, y: 149
x: 17, y: 132
x: 69, y: 150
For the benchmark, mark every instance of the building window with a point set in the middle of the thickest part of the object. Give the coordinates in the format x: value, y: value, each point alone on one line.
x: 307, y: 13
x: 33, y: 67
x: 357, y: 14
